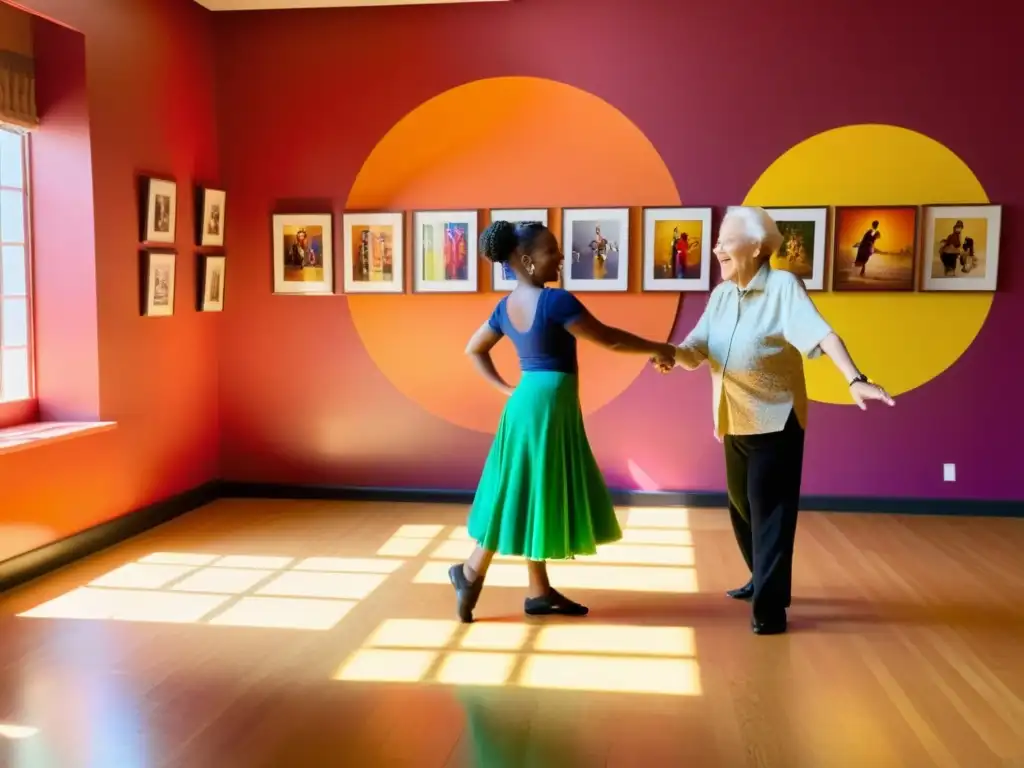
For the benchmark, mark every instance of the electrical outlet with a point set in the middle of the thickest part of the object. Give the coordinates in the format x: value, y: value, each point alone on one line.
x: 949, y: 473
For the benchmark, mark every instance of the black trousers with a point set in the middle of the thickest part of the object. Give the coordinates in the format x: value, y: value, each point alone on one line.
x: 763, y: 478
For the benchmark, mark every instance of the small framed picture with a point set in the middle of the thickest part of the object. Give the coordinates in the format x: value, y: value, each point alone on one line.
x: 875, y: 248
x: 961, y: 247
x: 212, y: 284
x: 597, y: 249
x: 804, y: 243
x: 374, y: 259
x: 211, y: 218
x: 502, y: 276
x: 444, y: 252
x: 677, y: 249
x: 161, y: 211
x: 303, y: 254
x: 158, y: 290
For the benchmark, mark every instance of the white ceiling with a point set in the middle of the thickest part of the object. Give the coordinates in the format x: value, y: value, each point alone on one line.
x: 266, y: 5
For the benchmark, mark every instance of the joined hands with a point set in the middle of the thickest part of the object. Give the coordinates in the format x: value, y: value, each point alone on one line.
x: 665, y: 360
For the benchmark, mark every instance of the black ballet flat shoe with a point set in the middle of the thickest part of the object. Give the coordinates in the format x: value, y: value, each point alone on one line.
x: 773, y: 627
x: 466, y: 593
x: 746, y: 592
x: 554, y: 603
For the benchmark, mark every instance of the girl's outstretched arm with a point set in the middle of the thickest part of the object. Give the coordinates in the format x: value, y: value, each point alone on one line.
x: 586, y: 326
x: 479, y: 349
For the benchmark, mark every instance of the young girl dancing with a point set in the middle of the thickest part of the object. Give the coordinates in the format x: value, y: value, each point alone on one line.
x: 541, y: 495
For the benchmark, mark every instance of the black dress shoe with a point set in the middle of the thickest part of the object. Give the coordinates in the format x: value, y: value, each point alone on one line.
x: 773, y: 627
x: 466, y: 593
x: 554, y: 603
x: 746, y: 592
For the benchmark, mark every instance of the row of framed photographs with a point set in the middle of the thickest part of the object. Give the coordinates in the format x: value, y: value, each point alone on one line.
x: 892, y: 248
x: 874, y: 248
x: 444, y: 251
x: 158, y: 278
x: 160, y: 213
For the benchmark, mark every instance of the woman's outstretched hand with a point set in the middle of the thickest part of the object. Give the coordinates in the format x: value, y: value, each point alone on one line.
x: 863, y: 391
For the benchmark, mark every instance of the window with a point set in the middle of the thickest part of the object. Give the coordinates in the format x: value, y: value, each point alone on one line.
x: 15, y: 284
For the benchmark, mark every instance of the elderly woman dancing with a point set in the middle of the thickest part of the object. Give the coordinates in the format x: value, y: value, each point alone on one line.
x: 758, y: 325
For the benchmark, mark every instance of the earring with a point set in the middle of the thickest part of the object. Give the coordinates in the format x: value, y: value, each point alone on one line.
x: 530, y: 268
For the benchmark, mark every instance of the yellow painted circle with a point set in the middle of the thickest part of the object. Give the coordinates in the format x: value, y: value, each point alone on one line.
x: 900, y: 340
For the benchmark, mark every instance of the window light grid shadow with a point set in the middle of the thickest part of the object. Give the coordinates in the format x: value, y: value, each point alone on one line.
x: 583, y: 657
x: 264, y: 591
x: 655, y: 554
x: 315, y: 593
x: 410, y: 540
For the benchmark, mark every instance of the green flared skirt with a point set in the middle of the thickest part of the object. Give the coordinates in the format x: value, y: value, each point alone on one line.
x: 542, y: 495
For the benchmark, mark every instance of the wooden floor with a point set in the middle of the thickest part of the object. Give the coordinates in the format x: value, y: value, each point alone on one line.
x: 314, y: 634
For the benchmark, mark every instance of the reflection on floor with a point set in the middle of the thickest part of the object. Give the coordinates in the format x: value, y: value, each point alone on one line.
x: 279, y: 633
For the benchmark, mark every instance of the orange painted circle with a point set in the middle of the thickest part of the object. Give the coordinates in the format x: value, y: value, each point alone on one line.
x: 511, y: 142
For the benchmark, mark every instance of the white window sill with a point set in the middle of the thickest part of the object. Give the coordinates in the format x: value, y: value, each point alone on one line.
x: 39, y: 434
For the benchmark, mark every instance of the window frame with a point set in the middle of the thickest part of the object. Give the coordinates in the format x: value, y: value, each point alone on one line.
x: 8, y: 408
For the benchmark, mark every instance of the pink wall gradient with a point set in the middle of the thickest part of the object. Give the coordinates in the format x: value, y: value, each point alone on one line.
x: 721, y: 89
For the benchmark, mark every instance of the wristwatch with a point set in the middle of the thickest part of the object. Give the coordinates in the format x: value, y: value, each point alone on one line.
x: 858, y: 379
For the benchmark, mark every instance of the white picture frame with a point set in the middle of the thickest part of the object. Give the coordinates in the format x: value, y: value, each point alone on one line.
x: 664, y: 230
x: 161, y: 211
x: 978, y: 272
x: 584, y: 261
x: 792, y: 255
x: 212, y: 223
x: 500, y: 281
x: 158, y: 299
x: 445, y: 252
x: 306, y: 239
x: 213, y: 284
x: 378, y: 264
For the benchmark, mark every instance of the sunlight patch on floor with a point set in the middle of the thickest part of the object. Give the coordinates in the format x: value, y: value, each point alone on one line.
x: 655, y: 554
x: 272, y: 592
x: 315, y: 593
x: 17, y: 732
x: 590, y: 657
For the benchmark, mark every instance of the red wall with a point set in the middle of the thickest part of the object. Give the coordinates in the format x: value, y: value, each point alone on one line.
x: 721, y: 89
x: 150, y: 105
x: 282, y: 389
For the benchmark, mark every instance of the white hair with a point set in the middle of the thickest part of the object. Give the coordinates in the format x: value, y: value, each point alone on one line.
x: 758, y: 225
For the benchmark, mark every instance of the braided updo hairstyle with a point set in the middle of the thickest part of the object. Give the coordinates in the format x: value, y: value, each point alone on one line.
x: 501, y: 239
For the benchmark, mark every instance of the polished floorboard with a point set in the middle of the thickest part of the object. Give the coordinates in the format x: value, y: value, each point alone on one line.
x: 287, y: 634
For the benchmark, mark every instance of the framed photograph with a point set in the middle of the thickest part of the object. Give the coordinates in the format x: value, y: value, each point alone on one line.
x: 158, y: 283
x: 597, y: 248
x: 444, y: 252
x: 875, y: 248
x: 502, y: 277
x: 804, y: 243
x: 211, y: 217
x: 161, y: 211
x: 961, y: 247
x: 212, y: 284
x: 374, y: 253
x: 303, y: 254
x: 677, y: 249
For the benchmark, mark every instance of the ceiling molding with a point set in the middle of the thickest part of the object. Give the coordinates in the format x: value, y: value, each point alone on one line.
x: 284, y: 5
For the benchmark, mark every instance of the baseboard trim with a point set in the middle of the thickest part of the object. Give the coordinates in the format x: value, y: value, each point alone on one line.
x: 895, y: 506
x: 31, y: 565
